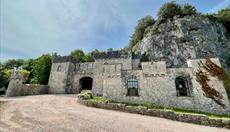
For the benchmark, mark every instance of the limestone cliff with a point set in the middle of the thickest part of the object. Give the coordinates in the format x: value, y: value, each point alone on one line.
x: 184, y: 38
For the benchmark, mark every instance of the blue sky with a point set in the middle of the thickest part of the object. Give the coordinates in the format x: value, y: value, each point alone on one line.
x: 29, y: 28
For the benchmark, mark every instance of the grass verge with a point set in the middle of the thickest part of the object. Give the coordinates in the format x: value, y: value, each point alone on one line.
x: 153, y: 106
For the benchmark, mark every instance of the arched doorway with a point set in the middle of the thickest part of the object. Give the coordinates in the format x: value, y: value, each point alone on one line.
x: 86, y: 83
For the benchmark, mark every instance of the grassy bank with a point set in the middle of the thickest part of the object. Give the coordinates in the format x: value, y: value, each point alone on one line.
x: 151, y: 106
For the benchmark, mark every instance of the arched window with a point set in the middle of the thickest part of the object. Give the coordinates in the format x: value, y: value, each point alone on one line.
x: 59, y: 68
x: 132, y: 86
x: 182, y: 86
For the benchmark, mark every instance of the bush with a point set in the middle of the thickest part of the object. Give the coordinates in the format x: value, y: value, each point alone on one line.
x: 41, y: 69
x: 170, y: 9
x: 189, y: 9
x: 25, y: 74
x: 85, y: 95
x: 78, y: 53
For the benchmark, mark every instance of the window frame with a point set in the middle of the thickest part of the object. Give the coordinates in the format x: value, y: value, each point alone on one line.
x: 187, y: 87
x: 59, y: 68
x: 132, y: 86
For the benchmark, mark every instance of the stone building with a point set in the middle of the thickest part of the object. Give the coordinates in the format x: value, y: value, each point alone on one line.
x: 125, y: 78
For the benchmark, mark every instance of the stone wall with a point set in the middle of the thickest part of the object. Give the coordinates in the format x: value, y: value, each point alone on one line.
x: 143, y: 110
x: 126, y: 62
x: 156, y: 85
x: 58, y: 77
x: 17, y: 88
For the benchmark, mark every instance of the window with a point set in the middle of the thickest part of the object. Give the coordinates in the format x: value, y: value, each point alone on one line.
x: 132, y: 85
x: 182, y: 86
x: 59, y: 68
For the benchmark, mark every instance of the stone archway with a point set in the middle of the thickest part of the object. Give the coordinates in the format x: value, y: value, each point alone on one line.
x: 86, y: 83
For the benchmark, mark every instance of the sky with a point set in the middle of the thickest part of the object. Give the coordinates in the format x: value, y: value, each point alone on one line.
x: 30, y: 28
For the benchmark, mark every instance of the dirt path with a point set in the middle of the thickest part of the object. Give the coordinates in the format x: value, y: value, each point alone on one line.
x: 62, y: 113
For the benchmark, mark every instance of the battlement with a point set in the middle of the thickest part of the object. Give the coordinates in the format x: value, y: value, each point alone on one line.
x: 111, y: 54
x: 59, y: 59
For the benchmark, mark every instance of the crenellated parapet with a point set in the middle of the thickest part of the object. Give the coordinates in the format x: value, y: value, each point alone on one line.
x: 59, y: 59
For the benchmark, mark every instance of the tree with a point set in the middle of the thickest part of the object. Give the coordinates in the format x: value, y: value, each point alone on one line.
x: 94, y: 52
x: 168, y: 10
x: 140, y: 29
x: 12, y: 63
x: 5, y: 70
x: 88, y: 58
x: 189, y: 9
x: 109, y: 49
x: 41, y: 69
x: 27, y: 65
x: 78, y: 53
x: 4, y: 77
x: 223, y: 16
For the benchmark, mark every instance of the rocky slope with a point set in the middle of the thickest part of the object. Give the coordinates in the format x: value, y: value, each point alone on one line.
x: 184, y: 38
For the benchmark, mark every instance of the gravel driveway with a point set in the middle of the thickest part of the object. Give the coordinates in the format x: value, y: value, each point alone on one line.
x: 62, y: 113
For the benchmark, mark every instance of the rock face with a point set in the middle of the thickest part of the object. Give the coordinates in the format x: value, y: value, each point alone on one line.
x: 185, y: 38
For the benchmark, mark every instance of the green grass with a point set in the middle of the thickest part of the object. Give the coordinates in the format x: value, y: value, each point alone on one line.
x: 210, y: 115
x: 163, y: 108
x: 100, y: 99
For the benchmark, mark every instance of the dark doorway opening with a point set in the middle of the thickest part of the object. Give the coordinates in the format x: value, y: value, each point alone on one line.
x: 182, y: 86
x: 86, y: 83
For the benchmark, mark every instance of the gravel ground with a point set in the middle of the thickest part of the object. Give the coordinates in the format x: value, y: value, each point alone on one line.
x: 62, y: 113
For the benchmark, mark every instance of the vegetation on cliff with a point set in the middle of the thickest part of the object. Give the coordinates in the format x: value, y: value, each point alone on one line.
x: 223, y: 16
x: 167, y: 11
x: 140, y: 29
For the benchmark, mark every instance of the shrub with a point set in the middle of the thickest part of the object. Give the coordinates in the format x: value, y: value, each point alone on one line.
x: 188, y: 9
x: 85, y: 94
x: 78, y: 53
x: 155, y: 26
x: 170, y: 9
x: 25, y: 74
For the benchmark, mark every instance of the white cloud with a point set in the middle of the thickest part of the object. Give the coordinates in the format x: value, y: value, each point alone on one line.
x: 30, y: 28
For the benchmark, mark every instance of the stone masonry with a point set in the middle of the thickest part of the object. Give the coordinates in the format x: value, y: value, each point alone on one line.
x: 127, y: 79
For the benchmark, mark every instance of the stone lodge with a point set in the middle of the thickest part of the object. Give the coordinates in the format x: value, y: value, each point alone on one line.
x: 125, y: 78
